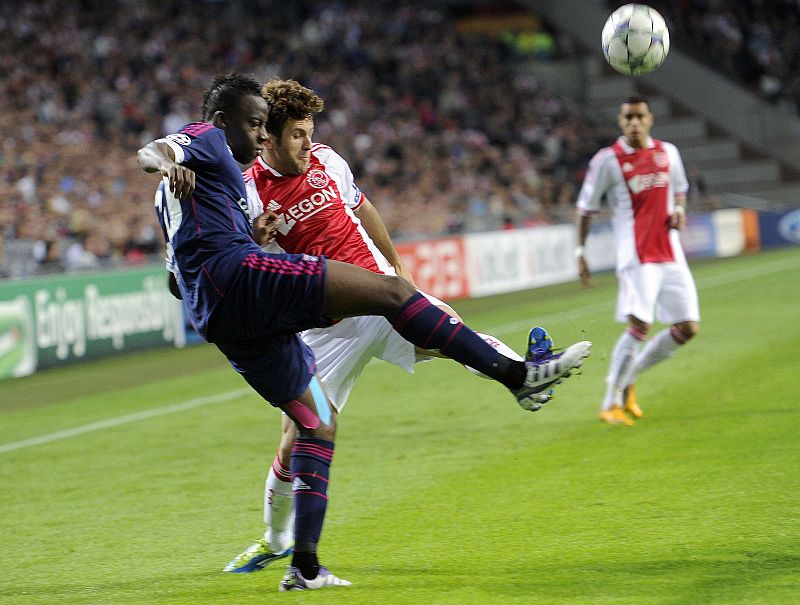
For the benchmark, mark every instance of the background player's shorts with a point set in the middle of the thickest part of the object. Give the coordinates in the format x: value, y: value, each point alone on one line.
x: 343, y: 350
x: 665, y: 291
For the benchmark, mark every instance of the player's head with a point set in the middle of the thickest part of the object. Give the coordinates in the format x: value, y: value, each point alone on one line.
x: 635, y: 120
x: 290, y: 125
x: 233, y: 102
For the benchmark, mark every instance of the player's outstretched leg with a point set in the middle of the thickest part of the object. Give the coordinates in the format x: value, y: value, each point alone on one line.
x: 351, y: 290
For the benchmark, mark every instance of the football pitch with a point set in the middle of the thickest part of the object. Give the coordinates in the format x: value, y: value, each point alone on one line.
x: 135, y: 479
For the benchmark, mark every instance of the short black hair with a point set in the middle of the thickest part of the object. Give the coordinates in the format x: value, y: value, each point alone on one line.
x: 226, y: 91
x: 636, y: 99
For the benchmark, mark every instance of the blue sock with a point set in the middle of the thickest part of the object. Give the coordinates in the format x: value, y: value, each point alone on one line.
x: 310, y: 465
x: 428, y: 327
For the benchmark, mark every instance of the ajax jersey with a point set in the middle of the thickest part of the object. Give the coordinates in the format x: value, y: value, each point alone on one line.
x: 640, y: 187
x: 316, y: 209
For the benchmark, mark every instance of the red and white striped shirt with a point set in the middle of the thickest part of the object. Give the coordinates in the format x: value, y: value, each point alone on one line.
x: 640, y: 187
x: 316, y: 209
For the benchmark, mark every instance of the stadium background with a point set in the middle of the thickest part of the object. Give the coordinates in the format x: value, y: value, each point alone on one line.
x: 469, y: 124
x: 134, y: 478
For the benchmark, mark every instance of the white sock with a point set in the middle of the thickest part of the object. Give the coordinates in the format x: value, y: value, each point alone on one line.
x: 622, y: 364
x: 661, y: 346
x: 278, y: 508
x: 500, y: 347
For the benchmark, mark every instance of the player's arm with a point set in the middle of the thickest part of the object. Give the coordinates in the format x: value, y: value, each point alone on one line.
x: 677, y: 219
x: 158, y: 156
x: 680, y: 185
x: 583, y: 224
x: 376, y: 229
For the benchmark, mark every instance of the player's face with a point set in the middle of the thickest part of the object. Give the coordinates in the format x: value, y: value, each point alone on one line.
x: 291, y: 152
x: 636, y: 121
x: 246, y: 128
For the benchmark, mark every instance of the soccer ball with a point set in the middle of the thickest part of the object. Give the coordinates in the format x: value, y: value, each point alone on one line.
x: 635, y: 39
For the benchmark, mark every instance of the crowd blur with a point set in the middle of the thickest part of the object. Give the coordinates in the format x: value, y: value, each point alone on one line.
x: 756, y: 42
x: 443, y: 131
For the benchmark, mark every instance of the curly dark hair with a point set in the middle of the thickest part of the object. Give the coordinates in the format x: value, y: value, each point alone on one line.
x: 226, y: 91
x: 289, y: 100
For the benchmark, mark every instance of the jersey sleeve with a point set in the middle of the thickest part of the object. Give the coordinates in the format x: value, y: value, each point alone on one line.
x: 197, y: 144
x: 677, y: 172
x: 596, y: 182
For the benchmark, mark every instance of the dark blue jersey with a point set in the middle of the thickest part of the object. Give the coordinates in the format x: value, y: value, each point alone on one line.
x: 208, y: 235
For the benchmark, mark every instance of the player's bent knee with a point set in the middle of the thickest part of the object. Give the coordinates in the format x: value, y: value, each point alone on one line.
x: 397, y: 291
x: 688, y: 329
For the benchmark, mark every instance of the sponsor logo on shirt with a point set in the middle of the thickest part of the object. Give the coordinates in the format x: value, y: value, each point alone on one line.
x: 317, y: 178
x: 642, y: 182
x: 308, y: 207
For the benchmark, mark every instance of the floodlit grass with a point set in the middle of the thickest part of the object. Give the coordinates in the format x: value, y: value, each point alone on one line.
x: 443, y: 490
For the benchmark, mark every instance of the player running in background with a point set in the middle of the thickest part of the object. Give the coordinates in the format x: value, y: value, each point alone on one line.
x: 645, y: 185
x: 251, y: 304
x: 311, y: 192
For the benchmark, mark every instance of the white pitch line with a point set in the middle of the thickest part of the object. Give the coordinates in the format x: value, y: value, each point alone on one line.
x: 128, y: 418
x: 568, y: 315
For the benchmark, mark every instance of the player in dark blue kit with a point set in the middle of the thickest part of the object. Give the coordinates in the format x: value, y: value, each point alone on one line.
x: 251, y: 304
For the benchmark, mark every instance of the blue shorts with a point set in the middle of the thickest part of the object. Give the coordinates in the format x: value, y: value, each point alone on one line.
x: 255, y: 325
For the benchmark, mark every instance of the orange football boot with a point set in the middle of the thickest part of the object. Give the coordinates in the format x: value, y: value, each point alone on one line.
x: 631, y: 404
x: 615, y: 415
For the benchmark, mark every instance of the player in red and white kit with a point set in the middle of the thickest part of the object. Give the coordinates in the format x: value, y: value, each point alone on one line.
x: 304, y: 195
x: 644, y: 183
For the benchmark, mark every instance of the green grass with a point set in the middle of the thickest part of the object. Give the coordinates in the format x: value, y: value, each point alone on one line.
x: 443, y: 490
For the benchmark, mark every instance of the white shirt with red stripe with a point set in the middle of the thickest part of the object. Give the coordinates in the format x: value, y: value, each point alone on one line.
x: 639, y: 186
x: 316, y: 209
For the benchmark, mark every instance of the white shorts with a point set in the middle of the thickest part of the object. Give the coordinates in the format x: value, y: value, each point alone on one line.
x: 343, y: 350
x: 665, y: 291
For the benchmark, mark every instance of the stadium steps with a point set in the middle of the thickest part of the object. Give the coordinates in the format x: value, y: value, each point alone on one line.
x: 723, y: 178
x: 761, y: 191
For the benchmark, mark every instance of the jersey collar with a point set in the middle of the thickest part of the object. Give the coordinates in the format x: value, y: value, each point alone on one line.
x: 263, y: 164
x: 627, y: 147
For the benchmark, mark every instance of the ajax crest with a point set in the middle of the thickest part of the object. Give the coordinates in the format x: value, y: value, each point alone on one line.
x: 317, y: 178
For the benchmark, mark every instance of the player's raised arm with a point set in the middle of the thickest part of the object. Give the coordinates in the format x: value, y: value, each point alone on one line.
x: 158, y: 156
x: 374, y: 226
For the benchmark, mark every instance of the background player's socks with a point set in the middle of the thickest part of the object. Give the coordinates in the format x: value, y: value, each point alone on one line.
x: 621, y: 369
x: 428, y: 327
x: 310, y: 466
x: 662, y: 345
x: 279, y: 507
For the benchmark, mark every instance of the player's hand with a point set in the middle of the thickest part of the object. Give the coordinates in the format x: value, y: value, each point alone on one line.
x: 583, y: 271
x: 677, y: 219
x: 181, y: 179
x: 265, y: 227
x: 402, y: 271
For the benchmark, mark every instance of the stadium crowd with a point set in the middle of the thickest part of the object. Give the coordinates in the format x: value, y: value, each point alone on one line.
x: 756, y: 42
x: 442, y: 130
